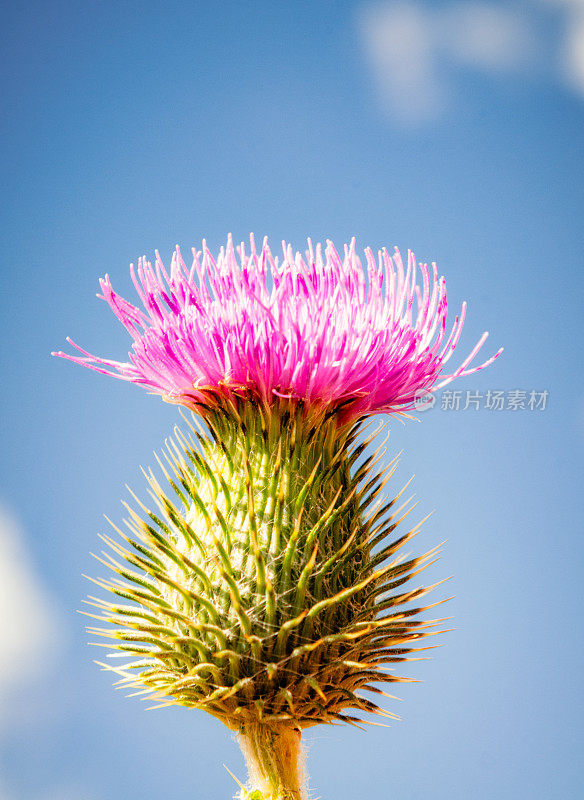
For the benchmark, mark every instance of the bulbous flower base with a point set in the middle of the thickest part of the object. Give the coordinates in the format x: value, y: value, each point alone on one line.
x: 266, y: 587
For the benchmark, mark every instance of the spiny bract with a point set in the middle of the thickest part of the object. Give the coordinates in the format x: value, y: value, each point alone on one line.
x: 267, y: 588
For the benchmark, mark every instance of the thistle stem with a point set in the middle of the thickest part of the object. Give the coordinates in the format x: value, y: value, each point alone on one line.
x: 272, y: 755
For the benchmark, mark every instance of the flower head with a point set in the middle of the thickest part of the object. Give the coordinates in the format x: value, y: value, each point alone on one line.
x: 267, y: 588
x: 323, y: 329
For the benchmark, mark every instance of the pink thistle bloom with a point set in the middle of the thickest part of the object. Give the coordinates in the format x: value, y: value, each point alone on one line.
x: 325, y: 330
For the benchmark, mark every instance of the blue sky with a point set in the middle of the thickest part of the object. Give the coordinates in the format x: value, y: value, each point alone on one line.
x: 454, y: 129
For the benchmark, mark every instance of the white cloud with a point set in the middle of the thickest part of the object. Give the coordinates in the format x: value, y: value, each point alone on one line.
x: 31, y: 637
x: 572, y: 47
x: 574, y: 52
x: 30, y: 632
x: 417, y: 50
x: 486, y: 37
x: 400, y: 45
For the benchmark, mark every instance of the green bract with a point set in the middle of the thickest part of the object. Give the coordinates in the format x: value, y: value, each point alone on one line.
x: 266, y: 584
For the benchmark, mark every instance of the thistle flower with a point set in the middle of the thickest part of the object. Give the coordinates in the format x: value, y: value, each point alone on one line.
x: 321, y: 330
x: 266, y: 585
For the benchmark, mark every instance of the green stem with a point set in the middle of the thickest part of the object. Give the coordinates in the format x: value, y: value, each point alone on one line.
x: 272, y: 754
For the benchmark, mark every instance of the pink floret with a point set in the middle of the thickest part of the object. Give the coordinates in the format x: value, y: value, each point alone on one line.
x: 327, y: 330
